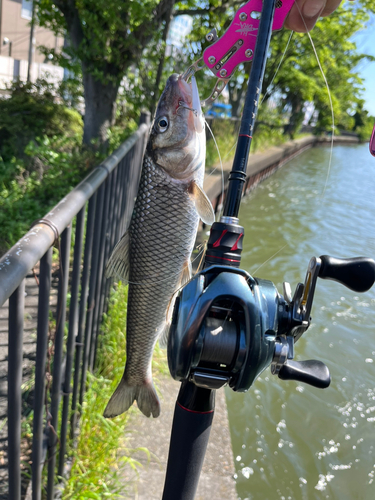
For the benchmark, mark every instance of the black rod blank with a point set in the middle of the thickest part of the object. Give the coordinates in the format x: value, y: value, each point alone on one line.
x: 237, y: 176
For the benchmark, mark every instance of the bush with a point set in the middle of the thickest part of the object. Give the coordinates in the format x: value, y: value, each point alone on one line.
x: 31, y: 111
x: 31, y: 187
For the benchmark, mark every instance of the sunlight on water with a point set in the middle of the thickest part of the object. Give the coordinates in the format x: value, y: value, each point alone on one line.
x: 292, y: 441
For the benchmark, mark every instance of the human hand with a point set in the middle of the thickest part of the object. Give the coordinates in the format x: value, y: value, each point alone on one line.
x: 311, y: 10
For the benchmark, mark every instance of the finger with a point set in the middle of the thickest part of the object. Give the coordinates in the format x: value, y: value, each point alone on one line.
x: 330, y: 7
x: 304, y: 14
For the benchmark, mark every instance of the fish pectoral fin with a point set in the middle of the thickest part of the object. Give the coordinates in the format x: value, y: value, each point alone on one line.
x: 187, y: 273
x: 202, y: 204
x: 118, y: 263
x: 164, y: 335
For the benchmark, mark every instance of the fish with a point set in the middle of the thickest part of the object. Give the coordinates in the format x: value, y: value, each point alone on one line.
x: 153, y: 256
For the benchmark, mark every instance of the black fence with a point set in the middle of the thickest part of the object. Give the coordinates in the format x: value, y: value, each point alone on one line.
x: 98, y: 209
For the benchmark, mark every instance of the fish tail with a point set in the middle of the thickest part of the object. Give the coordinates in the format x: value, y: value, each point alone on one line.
x: 126, y: 394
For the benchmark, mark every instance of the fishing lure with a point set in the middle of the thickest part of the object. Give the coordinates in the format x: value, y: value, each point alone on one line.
x: 237, y: 44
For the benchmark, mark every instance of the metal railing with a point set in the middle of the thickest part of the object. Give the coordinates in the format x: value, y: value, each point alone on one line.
x: 101, y: 206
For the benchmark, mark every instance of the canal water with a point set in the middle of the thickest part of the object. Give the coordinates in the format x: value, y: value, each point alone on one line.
x: 292, y: 441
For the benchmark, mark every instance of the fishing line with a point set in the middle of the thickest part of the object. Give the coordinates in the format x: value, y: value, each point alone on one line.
x: 278, y: 67
x: 330, y: 101
x: 203, y: 248
x: 221, y: 164
x: 332, y: 114
x: 265, y: 262
x: 267, y: 92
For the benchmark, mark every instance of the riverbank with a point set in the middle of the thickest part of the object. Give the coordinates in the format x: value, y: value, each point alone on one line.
x: 262, y: 165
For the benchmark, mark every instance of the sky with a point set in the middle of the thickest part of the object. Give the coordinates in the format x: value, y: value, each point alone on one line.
x: 366, y: 44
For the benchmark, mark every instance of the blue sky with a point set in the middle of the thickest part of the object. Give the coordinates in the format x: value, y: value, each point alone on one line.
x: 366, y: 44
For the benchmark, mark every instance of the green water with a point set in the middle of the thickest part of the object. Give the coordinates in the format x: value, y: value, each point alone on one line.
x: 292, y: 441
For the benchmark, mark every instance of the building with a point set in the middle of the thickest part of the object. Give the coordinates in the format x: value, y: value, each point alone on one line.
x: 15, y: 17
x: 179, y: 29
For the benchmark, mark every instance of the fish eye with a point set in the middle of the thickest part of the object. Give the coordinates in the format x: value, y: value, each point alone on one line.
x: 162, y: 124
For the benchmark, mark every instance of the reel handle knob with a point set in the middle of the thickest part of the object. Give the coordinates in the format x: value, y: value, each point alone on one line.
x: 310, y: 372
x: 357, y: 274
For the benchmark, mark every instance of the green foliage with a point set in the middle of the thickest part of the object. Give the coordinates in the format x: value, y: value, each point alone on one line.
x: 107, y: 40
x: 268, y: 132
x: 42, y: 158
x: 32, y: 111
x: 98, y: 458
x: 112, y: 39
x: 299, y: 79
x: 225, y: 132
x: 31, y: 187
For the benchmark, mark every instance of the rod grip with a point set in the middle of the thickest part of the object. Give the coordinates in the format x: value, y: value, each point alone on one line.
x: 189, y: 438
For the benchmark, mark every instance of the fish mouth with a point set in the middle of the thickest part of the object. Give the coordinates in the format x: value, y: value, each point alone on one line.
x: 191, y: 101
x: 185, y: 90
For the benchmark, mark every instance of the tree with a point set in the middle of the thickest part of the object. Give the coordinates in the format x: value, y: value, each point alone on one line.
x: 299, y: 79
x: 108, y: 40
x: 104, y: 39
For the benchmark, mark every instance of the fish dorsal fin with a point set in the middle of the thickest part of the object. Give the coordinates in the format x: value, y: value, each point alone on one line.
x: 202, y: 204
x: 118, y: 264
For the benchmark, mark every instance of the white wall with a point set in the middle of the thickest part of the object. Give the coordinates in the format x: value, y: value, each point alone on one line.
x: 49, y: 72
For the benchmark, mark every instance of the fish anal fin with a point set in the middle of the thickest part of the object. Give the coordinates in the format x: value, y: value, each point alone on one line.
x: 202, y: 203
x: 118, y: 263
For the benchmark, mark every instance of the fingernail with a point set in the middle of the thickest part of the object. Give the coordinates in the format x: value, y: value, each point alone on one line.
x: 312, y: 8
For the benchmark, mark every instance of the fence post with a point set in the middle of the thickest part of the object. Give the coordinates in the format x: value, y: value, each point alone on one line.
x: 53, y: 418
x: 15, y: 343
x: 73, y: 330
x: 117, y: 175
x: 145, y: 117
x: 40, y: 372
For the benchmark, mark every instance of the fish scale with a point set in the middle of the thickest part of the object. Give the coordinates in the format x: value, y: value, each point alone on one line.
x: 156, y: 223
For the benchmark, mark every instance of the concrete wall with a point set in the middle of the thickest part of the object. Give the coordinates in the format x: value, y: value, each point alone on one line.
x: 262, y: 165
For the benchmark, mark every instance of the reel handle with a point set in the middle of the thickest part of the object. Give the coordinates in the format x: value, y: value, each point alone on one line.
x: 310, y: 372
x: 357, y: 274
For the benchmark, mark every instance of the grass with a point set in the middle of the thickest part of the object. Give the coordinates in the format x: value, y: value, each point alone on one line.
x: 100, y: 455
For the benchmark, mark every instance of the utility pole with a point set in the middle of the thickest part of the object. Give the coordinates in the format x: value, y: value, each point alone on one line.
x: 1, y: 17
x: 30, y: 59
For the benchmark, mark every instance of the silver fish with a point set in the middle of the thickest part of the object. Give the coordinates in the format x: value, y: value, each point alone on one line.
x: 153, y: 256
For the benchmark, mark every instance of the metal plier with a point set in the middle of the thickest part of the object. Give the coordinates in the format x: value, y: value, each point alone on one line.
x: 236, y: 45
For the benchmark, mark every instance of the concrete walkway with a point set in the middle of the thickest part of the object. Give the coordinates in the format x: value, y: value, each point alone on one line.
x: 216, y: 481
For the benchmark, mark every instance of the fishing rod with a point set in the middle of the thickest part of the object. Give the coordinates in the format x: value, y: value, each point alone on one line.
x: 227, y: 326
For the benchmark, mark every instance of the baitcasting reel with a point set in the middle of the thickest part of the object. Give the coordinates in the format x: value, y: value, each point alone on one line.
x: 227, y: 326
